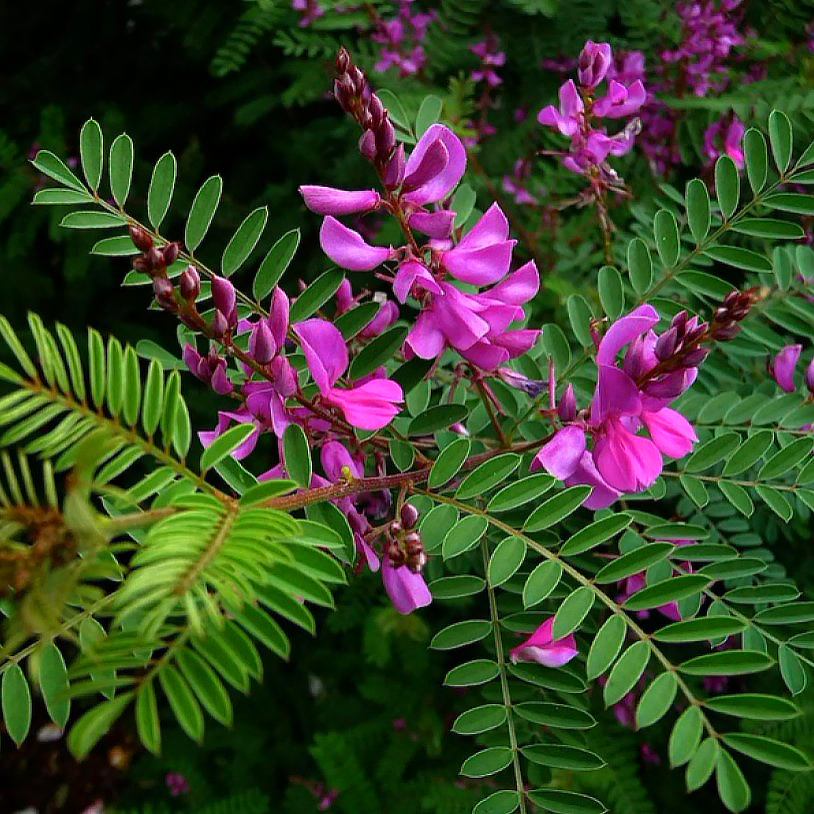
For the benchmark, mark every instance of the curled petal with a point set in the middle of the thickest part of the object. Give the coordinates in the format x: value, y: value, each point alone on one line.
x: 412, y: 273
x: 431, y: 163
x: 540, y: 648
x: 616, y: 395
x: 670, y: 432
x: 330, y: 201
x: 481, y: 266
x: 626, y: 461
x: 426, y: 340
x: 493, y: 227
x: 348, y: 249
x: 519, y: 287
x: 602, y: 494
x: 437, y: 225
x: 406, y: 590
x: 442, y: 184
x: 638, y: 322
x: 368, y: 406
x: 324, y: 350
x: 562, y: 454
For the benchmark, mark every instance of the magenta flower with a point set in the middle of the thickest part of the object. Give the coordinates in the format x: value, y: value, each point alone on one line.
x: 210, y: 369
x: 491, y: 58
x: 724, y: 137
x: 348, y: 248
x: 368, y: 406
x: 594, y: 63
x: 781, y: 368
x: 330, y: 201
x: 620, y: 101
x: 568, y: 118
x: 540, y: 649
x: 406, y: 589
x: 809, y: 377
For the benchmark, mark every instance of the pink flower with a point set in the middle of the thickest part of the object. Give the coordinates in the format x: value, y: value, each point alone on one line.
x: 329, y: 201
x: 406, y: 590
x: 781, y: 368
x: 540, y: 649
x: 368, y: 406
x: 348, y: 249
x: 594, y: 62
x: 567, y: 119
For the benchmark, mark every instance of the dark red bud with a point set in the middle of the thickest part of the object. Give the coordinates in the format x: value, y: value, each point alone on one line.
x: 162, y: 288
x: 342, y: 61
x: 141, y: 240
x: 367, y: 145
x: 155, y: 259
x: 190, y: 284
x: 409, y: 515
x: 170, y: 253
x: 219, y: 325
x: 141, y: 264
x: 385, y: 138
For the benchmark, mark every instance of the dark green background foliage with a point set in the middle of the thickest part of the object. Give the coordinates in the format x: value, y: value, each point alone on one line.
x: 241, y: 90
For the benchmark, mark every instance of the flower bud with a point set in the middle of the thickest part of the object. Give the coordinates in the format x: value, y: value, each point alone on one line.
x: 367, y: 145
x: 170, y: 253
x: 357, y: 78
x: 141, y: 264
x: 394, y: 172
x: 155, y: 259
x: 594, y: 62
x: 409, y: 515
x: 189, y: 284
x: 679, y: 322
x: 694, y: 358
x: 809, y: 377
x: 219, y: 325
x: 376, y: 110
x: 261, y: 343
x: 342, y: 61
x: 162, y: 288
x: 666, y: 344
x: 141, y: 240
x: 224, y: 296
x: 567, y: 408
x: 385, y: 138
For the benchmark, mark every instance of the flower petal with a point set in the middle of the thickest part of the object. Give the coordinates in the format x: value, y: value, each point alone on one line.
x: 406, y: 590
x: 348, y: 249
x: 324, y: 350
x: 670, y: 432
x: 442, y: 184
x: 330, y: 201
x: 562, y: 454
x: 638, y: 322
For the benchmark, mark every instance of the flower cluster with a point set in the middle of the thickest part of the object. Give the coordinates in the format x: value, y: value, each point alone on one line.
x: 579, y: 111
x: 417, y: 188
x: 724, y: 137
x: 401, y: 40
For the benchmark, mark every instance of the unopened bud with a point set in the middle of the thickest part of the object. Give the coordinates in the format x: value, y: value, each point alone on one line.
x: 342, y: 61
x: 567, y: 408
x: 367, y: 145
x: 357, y: 78
x: 694, y: 358
x: 409, y: 515
x: 394, y: 172
x: 666, y: 344
x: 385, y: 138
x: 141, y: 264
x: 170, y: 253
x: 376, y: 110
x: 141, y: 240
x: 189, y: 284
x: 726, y: 331
x: 220, y: 325
x: 396, y: 528
x: 809, y: 377
x: 155, y: 259
x: 162, y: 288
x: 261, y: 343
x: 224, y: 296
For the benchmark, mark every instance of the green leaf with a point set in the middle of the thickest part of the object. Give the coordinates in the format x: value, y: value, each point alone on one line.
x: 487, y: 475
x: 487, y: 761
x: 449, y: 462
x: 147, y: 723
x: 182, y: 702
x: 556, y: 345
x: 435, y: 525
x: 297, y: 454
x: 780, y: 138
x: 435, y: 418
x: 792, y: 670
x: 162, y: 185
x: 727, y: 663
x: 573, y: 609
x: 749, y: 452
x: 526, y: 490
x: 712, y: 452
x: 500, y: 802
x: 786, y: 614
x: 739, y: 258
x: 566, y: 802
x: 479, y: 719
x: 580, y: 317
x: 541, y: 582
x: 243, y: 241
x: 90, y: 152
x: 559, y: 716
x: 732, y: 786
x: 48, y: 164
x: 786, y: 459
x: 767, y: 750
x: 121, y: 168
x: 91, y: 220
x: 460, y: 634
x: 754, y: 150
x: 464, y: 535
x: 635, y: 561
x: 626, y: 672
x: 769, y: 228
x: 87, y: 731
x: 316, y: 295
x: 702, y: 764
x: 685, y: 736
x: 463, y: 202
x: 770, y: 592
x: 275, y: 264
x: 225, y: 445
x: 52, y: 196
x: 735, y: 568
x: 667, y: 591
x: 558, y: 756
x: 656, y: 700
x: 121, y: 246
x: 698, y: 630
x: 328, y: 515
x: 15, y: 700
x: 640, y: 268
x: 153, y: 398
x: 53, y: 679
x: 727, y: 185
x: 377, y: 352
x: 205, y: 684
x: 557, y: 508
x: 595, y: 534
x: 753, y: 706
x: 456, y: 586
x: 472, y: 673
x: 202, y: 211
x: 611, y: 293
x: 606, y: 646
x: 698, y: 215
x: 505, y: 560
x: 428, y: 114
x: 357, y: 319
x: 791, y: 202
x: 559, y: 680
x: 775, y: 501
x: 668, y: 243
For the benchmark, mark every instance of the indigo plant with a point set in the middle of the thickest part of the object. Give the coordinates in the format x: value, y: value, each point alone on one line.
x: 594, y: 507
